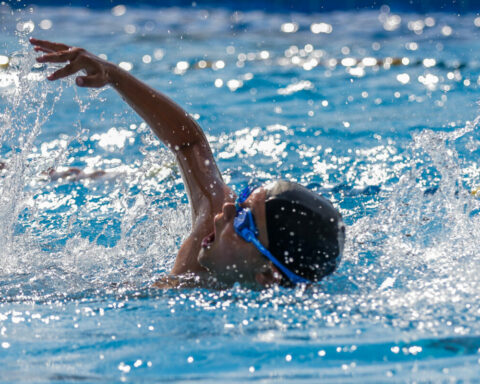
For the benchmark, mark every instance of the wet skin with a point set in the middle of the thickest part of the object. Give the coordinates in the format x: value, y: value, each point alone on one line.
x: 222, y: 257
x: 229, y: 257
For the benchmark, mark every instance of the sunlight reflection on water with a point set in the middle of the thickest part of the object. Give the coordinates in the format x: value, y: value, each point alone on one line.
x: 358, y: 107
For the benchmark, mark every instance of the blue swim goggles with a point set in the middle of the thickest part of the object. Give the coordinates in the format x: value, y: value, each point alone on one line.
x: 244, y: 225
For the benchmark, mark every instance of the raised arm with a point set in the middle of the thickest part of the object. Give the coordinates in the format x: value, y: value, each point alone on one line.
x: 168, y: 120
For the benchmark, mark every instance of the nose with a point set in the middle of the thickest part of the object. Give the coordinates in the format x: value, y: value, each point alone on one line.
x: 229, y: 211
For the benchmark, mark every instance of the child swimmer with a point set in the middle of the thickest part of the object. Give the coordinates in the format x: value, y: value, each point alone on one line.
x: 278, y: 234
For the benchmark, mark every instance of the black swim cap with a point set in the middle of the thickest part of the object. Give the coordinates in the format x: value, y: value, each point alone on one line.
x: 305, y: 232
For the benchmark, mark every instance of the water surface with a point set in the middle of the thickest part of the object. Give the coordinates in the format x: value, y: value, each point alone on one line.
x: 375, y: 110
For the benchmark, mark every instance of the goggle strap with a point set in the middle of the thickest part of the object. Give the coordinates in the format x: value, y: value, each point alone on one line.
x: 294, y: 278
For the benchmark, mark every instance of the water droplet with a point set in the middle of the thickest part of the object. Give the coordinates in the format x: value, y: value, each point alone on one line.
x: 119, y: 10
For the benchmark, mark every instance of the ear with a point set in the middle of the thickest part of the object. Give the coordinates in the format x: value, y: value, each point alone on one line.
x: 268, y: 276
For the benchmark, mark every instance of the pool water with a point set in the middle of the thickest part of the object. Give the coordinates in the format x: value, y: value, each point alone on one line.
x: 377, y: 110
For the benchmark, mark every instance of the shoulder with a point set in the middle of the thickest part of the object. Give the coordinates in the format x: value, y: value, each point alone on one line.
x: 185, y: 281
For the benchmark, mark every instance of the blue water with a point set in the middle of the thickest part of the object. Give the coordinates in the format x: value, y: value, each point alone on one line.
x: 393, y: 143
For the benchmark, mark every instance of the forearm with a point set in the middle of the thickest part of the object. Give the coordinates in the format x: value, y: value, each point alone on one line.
x: 179, y: 131
x: 175, y: 127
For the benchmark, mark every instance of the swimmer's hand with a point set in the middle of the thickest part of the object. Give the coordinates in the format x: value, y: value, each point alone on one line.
x: 78, y: 59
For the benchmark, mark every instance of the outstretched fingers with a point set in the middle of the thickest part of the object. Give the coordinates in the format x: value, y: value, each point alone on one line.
x: 76, y: 58
x: 59, y: 57
x: 41, y: 49
x: 48, y: 46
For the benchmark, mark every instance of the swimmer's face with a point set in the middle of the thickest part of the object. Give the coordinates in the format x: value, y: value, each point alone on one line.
x: 228, y: 257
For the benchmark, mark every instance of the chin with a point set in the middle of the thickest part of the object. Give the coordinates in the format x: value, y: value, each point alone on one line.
x: 201, y: 257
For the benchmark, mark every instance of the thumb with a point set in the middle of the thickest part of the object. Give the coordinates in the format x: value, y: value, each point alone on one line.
x: 90, y: 81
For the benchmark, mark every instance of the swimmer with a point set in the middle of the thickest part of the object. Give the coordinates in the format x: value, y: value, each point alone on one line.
x: 73, y: 174
x: 279, y: 233
x: 68, y: 174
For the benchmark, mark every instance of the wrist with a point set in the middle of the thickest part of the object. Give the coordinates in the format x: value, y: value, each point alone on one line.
x: 111, y: 73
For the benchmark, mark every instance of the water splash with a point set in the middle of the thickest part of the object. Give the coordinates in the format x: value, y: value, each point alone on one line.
x: 29, y: 104
x: 41, y: 257
x: 405, y: 244
x: 417, y: 253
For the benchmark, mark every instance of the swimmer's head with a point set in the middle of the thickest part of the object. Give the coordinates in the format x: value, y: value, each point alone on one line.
x: 305, y: 232
x: 299, y: 237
